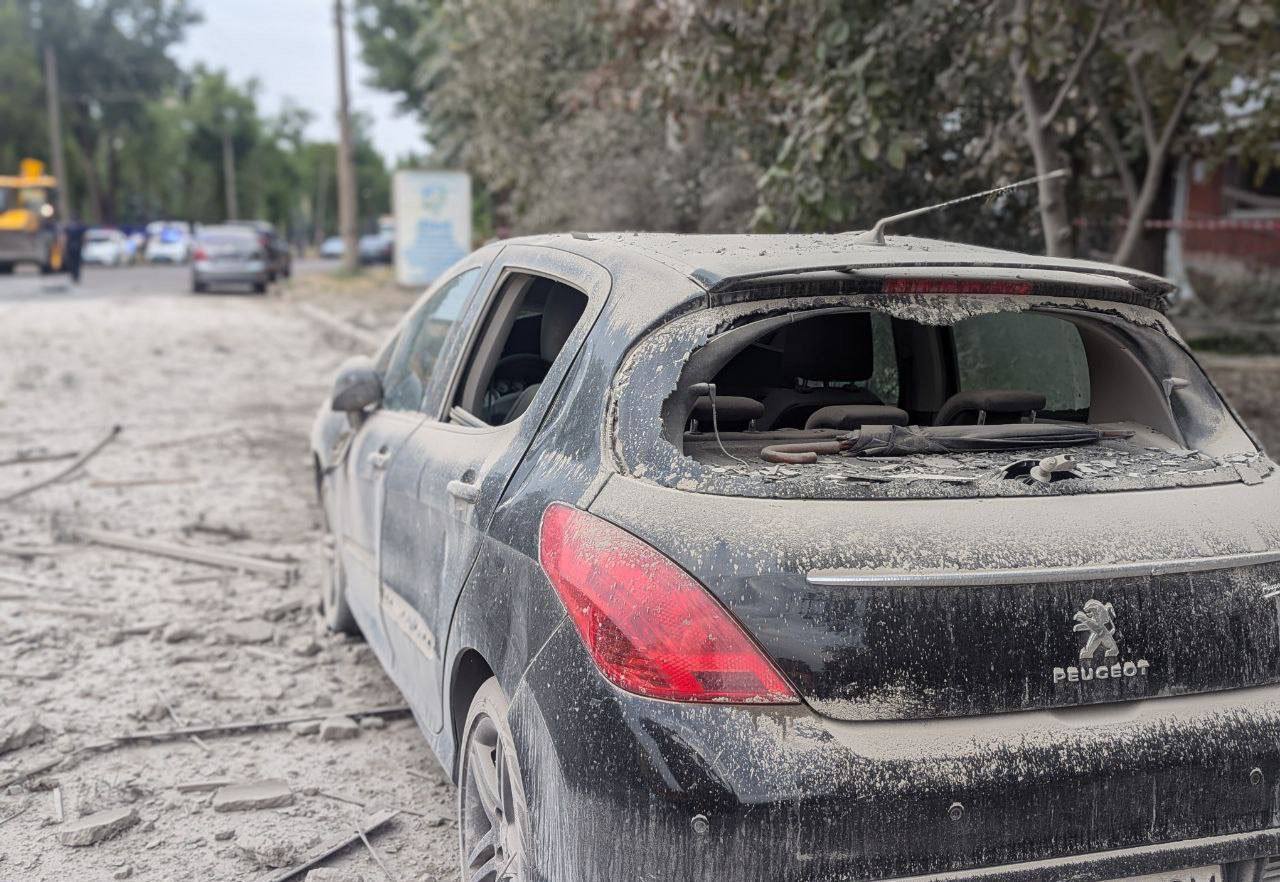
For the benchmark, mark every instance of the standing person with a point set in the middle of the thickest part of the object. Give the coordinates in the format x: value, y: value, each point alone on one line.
x: 75, y: 244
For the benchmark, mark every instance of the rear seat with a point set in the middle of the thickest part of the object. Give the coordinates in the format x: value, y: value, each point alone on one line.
x: 826, y: 349
x: 989, y: 406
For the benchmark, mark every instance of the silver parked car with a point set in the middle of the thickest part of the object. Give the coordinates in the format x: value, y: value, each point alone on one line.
x: 229, y: 255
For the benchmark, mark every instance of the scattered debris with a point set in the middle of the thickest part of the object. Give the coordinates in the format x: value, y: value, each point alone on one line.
x: 357, y: 335
x: 252, y: 725
x: 369, y: 825
x: 272, y: 793
x: 306, y: 727
x: 58, y: 813
x: 22, y: 730
x: 224, y: 835
x: 62, y: 474
x: 26, y: 582
x: 372, y: 723
x: 210, y: 556
x: 98, y: 827
x: 329, y: 874
x: 245, y: 633
x: 338, y: 729
x: 178, y: 632
x: 377, y: 858
x: 203, y: 786
x: 123, y: 872
x: 269, y: 850
x: 29, y: 458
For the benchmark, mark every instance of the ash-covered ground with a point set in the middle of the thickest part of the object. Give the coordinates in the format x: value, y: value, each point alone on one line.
x: 215, y: 395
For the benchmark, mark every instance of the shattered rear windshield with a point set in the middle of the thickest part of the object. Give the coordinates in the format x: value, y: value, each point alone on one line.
x: 876, y: 396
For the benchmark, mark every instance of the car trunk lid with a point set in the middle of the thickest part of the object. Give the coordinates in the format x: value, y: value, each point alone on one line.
x: 914, y: 609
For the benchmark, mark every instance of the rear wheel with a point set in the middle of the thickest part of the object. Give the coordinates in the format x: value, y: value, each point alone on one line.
x: 6, y: 269
x: 198, y: 287
x: 493, y: 816
x: 259, y: 287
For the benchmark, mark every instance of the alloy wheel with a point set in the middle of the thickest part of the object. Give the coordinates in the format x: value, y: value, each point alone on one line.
x: 493, y: 815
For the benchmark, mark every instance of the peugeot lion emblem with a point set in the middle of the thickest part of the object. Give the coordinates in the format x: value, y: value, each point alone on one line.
x: 1098, y: 621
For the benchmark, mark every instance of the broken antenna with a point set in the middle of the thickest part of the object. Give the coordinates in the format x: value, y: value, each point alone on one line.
x: 875, y: 235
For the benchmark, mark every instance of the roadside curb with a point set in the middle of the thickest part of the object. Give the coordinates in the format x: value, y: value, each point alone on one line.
x: 339, y: 325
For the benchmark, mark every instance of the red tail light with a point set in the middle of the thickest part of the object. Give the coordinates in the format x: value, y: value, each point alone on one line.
x: 651, y: 628
x: 201, y: 254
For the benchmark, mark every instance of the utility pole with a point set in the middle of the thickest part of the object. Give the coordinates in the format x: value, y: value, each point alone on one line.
x: 55, y: 132
x: 346, y: 167
x: 318, y: 219
x: 229, y: 167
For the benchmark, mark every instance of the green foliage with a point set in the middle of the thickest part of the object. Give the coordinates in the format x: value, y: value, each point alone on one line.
x: 819, y: 114
x: 145, y: 138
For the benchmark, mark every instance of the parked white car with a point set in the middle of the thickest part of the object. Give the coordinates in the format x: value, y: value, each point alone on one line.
x: 106, y: 247
x: 169, y: 242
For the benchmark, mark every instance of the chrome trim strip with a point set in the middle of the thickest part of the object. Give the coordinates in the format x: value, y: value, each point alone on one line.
x: 1033, y: 575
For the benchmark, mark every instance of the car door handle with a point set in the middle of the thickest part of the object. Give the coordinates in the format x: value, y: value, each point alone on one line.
x: 463, y: 491
x: 378, y: 461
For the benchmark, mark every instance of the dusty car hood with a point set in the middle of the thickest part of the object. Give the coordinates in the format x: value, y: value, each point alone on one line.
x: 918, y: 647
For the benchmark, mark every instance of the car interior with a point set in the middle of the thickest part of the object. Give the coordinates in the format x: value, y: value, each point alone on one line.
x: 802, y: 375
x: 527, y: 326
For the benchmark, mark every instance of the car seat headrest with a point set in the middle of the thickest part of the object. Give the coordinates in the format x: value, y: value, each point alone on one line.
x: 854, y: 416
x: 989, y: 405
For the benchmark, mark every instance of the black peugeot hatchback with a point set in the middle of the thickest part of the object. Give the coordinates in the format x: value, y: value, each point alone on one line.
x: 814, y: 558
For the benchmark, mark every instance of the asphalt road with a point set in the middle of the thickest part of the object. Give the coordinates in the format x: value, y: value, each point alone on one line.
x: 142, y: 280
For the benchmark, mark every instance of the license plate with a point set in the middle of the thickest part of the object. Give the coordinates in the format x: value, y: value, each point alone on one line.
x: 1211, y: 873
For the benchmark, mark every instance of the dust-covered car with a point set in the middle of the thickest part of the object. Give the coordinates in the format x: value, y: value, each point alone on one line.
x: 229, y: 254
x: 810, y: 558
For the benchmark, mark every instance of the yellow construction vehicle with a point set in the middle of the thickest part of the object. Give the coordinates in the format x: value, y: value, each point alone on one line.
x: 30, y: 229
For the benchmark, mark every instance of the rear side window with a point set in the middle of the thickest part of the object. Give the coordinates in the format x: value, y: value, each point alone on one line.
x: 415, y: 355
x: 1026, y: 351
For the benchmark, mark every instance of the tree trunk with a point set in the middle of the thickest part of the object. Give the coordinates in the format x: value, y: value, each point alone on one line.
x: 1055, y: 220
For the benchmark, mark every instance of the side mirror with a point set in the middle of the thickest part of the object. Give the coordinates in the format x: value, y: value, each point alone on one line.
x: 357, y: 387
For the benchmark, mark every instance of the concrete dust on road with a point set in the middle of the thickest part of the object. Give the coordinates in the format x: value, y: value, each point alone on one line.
x: 215, y: 394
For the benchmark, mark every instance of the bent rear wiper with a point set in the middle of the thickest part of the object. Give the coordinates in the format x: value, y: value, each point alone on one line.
x: 908, y: 440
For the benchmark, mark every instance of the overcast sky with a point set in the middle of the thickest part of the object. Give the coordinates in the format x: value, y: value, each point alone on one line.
x: 288, y: 45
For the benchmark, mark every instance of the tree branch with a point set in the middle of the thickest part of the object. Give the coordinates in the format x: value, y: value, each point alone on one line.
x: 1143, y: 102
x: 1179, y: 108
x: 1077, y: 66
x: 1107, y: 129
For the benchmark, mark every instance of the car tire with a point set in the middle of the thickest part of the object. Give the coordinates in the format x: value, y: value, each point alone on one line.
x: 334, y: 609
x: 198, y: 287
x: 493, y: 815
x: 6, y: 269
x: 259, y: 287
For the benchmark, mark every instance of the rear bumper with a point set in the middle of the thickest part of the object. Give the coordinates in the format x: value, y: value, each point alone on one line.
x: 230, y: 277
x: 623, y: 787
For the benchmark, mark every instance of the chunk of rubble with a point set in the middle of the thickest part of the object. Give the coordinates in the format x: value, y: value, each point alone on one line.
x: 245, y: 633
x: 272, y: 793
x: 338, y: 729
x: 97, y: 827
x: 332, y: 874
x: 22, y: 730
x: 372, y: 723
x: 269, y: 850
x: 180, y: 632
x: 305, y: 727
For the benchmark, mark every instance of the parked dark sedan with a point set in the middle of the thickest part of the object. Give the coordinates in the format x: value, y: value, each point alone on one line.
x: 808, y: 558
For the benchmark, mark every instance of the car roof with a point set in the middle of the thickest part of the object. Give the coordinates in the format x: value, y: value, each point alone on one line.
x: 720, y: 261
